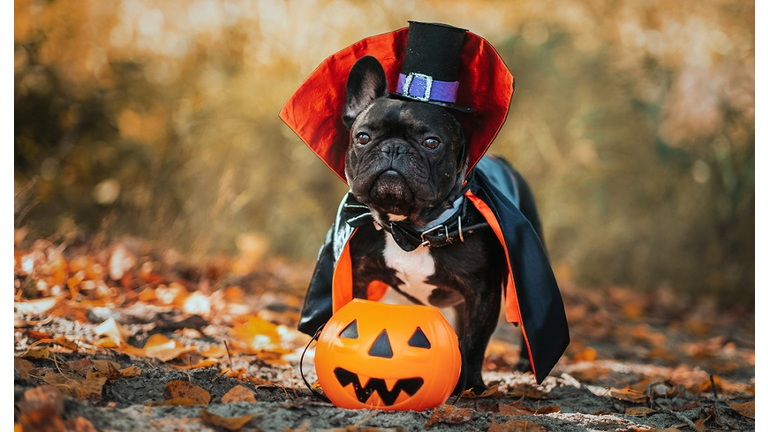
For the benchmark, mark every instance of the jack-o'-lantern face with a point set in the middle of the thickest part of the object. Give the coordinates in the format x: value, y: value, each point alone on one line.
x: 389, y: 357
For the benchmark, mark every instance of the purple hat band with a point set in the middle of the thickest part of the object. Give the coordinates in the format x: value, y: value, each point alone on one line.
x: 424, y: 88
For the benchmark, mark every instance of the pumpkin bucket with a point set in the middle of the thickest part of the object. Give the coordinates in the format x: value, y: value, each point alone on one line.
x: 387, y: 357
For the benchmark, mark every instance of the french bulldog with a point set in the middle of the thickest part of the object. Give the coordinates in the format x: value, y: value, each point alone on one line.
x: 407, y: 163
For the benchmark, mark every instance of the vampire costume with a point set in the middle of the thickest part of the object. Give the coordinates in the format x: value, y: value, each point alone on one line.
x: 485, y: 86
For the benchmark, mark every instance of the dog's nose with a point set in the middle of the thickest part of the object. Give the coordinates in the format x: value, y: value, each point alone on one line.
x: 393, y: 149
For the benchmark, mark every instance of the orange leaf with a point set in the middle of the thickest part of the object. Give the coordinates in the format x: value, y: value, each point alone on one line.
x: 529, y: 391
x: 515, y: 425
x: 112, y: 330
x: 747, y: 409
x: 587, y: 354
x: 66, y: 343
x: 185, y: 389
x: 239, y: 394
x: 449, y: 414
x: 257, y: 333
x: 228, y: 423
x: 74, y: 386
x: 175, y: 401
x: 164, y: 349
x: 628, y: 395
x: 130, y: 371
x: 639, y: 411
x: 22, y: 368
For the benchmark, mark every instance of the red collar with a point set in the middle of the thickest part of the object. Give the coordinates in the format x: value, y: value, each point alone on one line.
x: 314, y: 111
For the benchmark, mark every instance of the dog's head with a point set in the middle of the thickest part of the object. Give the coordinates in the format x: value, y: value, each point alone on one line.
x: 405, y: 159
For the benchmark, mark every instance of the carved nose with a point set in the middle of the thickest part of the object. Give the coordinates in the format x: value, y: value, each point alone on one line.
x: 381, y: 346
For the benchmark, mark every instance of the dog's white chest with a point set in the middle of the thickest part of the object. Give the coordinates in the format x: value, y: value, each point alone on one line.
x: 413, y: 268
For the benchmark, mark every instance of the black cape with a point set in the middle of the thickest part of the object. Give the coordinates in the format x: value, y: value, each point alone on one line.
x: 532, y: 295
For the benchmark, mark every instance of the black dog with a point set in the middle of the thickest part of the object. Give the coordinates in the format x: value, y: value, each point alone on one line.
x: 406, y: 163
x: 427, y: 214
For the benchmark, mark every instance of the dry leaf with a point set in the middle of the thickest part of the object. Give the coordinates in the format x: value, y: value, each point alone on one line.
x: 239, y: 394
x: 113, y: 330
x: 639, y: 411
x: 76, y: 387
x: 514, y: 410
x: 37, y: 353
x: 185, y: 389
x: 257, y: 333
x: 449, y: 414
x: 528, y: 391
x: 38, y: 397
x: 228, y: 423
x: 22, y: 368
x: 65, y: 342
x: 587, y: 354
x: 81, y: 424
x: 490, y: 392
x: 747, y: 409
x: 182, y: 401
x: 164, y: 349
x: 36, y: 307
x: 130, y: 371
x: 43, y: 419
x: 628, y: 395
x: 515, y: 425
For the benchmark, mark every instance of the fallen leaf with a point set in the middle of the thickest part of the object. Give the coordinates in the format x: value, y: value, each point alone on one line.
x: 449, y: 414
x: 22, y: 368
x: 239, y: 394
x: 130, y: 371
x: 628, y: 395
x: 587, y: 354
x: 36, y: 307
x: 76, y: 387
x: 182, y: 401
x: 81, y: 424
x: 107, y: 369
x: 65, y: 342
x: 36, y: 353
x: 164, y: 349
x: 528, y: 391
x: 257, y: 333
x: 38, y: 397
x: 112, y: 329
x: 185, y: 389
x: 489, y: 392
x: 214, y: 352
x: 228, y: 423
x: 639, y: 411
x: 43, y: 419
x: 515, y: 425
x: 747, y: 409
x: 514, y: 410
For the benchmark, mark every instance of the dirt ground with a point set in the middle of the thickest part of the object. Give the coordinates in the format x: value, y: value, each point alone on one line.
x: 637, y: 361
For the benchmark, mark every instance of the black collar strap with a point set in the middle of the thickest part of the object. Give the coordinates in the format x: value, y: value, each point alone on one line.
x: 464, y: 222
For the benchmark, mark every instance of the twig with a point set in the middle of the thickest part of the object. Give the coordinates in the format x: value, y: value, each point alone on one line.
x: 714, y: 391
x: 687, y: 421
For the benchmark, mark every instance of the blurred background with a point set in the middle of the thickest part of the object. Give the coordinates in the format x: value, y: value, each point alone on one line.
x: 634, y: 123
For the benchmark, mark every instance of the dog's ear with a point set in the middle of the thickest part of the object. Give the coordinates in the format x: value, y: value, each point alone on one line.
x: 366, y: 82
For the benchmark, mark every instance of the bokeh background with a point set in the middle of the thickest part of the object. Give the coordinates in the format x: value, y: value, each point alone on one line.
x: 634, y: 122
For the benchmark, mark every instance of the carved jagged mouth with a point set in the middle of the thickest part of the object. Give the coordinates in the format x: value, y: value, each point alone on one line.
x: 389, y: 397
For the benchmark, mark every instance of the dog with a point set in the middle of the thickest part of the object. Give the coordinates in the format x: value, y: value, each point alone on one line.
x: 427, y: 214
x: 407, y: 164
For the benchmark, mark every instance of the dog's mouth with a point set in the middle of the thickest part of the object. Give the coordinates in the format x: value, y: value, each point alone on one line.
x: 388, y: 394
x: 390, y: 192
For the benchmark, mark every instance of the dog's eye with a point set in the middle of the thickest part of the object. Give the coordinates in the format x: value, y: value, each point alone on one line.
x: 431, y: 142
x: 363, y: 138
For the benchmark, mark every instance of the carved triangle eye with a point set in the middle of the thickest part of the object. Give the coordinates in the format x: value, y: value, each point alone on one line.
x: 419, y: 339
x: 381, y: 346
x: 350, y: 331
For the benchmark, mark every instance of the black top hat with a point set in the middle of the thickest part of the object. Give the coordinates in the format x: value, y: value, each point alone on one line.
x: 431, y: 64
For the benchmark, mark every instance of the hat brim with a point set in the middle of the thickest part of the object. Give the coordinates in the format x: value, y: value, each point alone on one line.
x: 314, y: 111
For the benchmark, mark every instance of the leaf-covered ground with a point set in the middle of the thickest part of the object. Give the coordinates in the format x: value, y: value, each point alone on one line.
x: 127, y: 338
